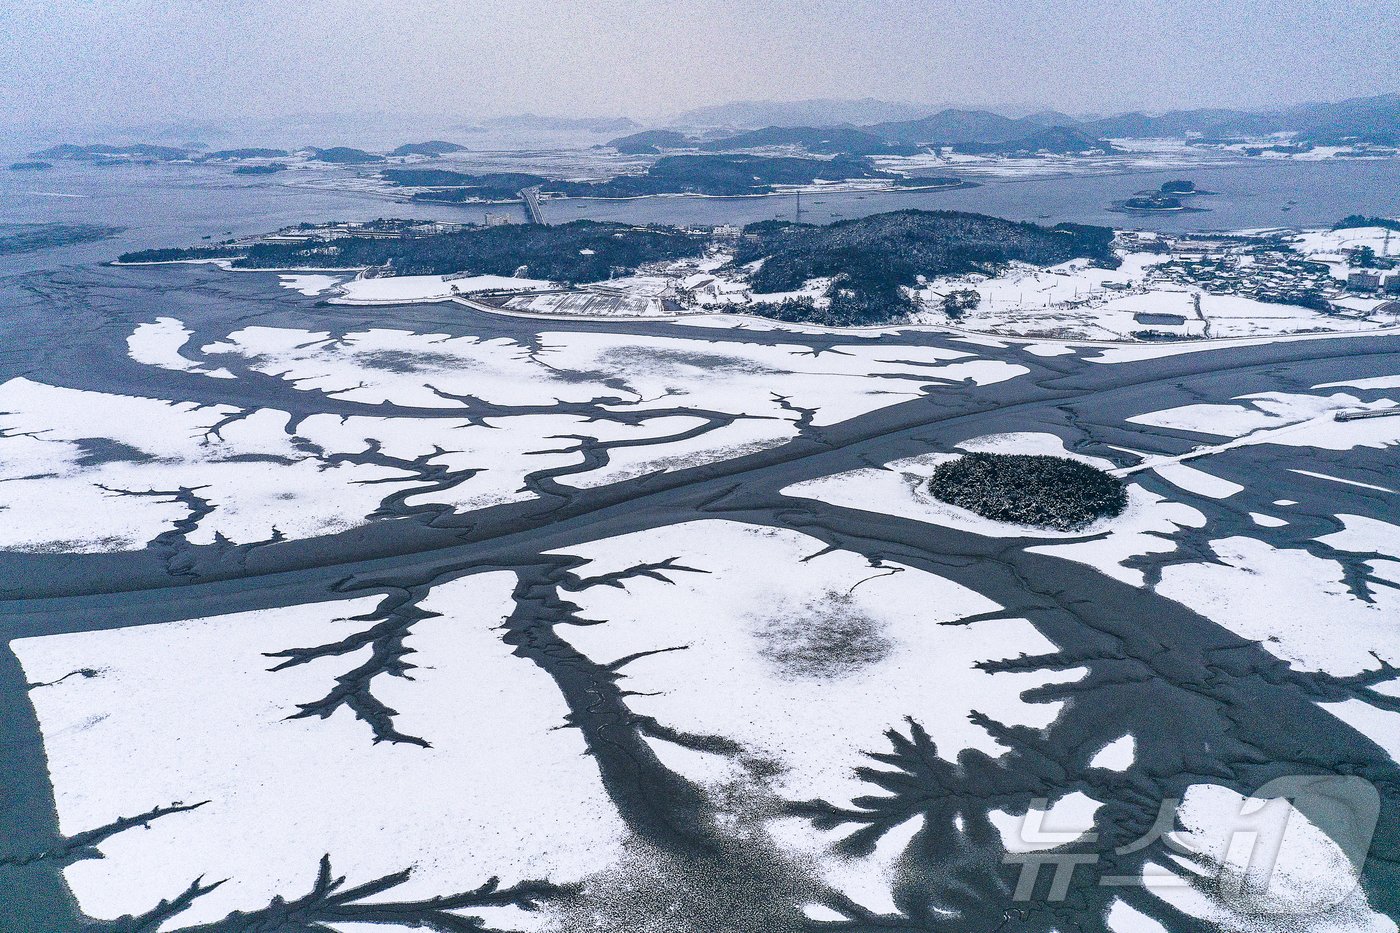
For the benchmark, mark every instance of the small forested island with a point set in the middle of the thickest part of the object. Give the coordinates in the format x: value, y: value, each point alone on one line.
x: 1353, y: 221
x: 148, y: 154
x: 1170, y: 196
x: 651, y: 142
x: 716, y: 175
x: 248, y: 153
x: 1153, y: 202
x: 101, y: 153
x: 433, y: 148
x: 580, y: 251
x: 342, y: 155
x: 270, y: 168
x: 36, y: 166
x: 1029, y: 489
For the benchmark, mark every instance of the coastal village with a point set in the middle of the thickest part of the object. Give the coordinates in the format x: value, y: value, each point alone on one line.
x: 1167, y: 287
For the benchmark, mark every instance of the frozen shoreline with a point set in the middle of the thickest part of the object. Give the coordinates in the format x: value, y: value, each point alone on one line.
x: 715, y: 316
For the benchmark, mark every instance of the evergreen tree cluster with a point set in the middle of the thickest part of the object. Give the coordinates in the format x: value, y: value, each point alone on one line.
x: 1029, y: 489
x: 872, y: 259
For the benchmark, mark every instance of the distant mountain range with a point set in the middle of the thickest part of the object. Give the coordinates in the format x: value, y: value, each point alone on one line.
x: 826, y: 131
x: 1363, y: 119
x: 827, y: 140
x: 950, y: 127
x: 828, y: 128
x: 966, y: 131
x: 1056, y: 139
x: 1376, y: 119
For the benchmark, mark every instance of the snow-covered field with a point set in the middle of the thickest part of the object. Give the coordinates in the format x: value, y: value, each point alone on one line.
x: 1134, y: 155
x: 1075, y: 300
x: 397, y: 289
x: 1301, y: 605
x: 88, y: 471
x: 766, y: 629
x: 191, y: 714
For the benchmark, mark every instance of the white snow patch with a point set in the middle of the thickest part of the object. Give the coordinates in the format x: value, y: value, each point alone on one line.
x: 1275, y: 869
x: 1117, y: 755
x: 1381, y: 726
x: 1152, y: 351
x: 242, y: 464
x: 159, y: 344
x: 396, y: 289
x: 1124, y: 918
x: 309, y: 284
x: 1046, y: 827
x: 1192, y: 480
x: 1363, y: 534
x: 736, y: 439
x: 1264, y: 410
x: 822, y: 912
x: 1378, y: 382
x: 1047, y: 349
x: 1346, y: 482
x: 867, y: 880
x: 1296, y: 605
x: 198, y: 697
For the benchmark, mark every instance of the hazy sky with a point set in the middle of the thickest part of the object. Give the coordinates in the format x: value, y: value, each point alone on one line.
x: 143, y: 60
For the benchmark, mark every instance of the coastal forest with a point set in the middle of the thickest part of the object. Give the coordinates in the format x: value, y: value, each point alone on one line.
x: 871, y: 260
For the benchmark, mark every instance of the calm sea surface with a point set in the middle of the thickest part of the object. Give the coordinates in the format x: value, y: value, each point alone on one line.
x: 168, y: 205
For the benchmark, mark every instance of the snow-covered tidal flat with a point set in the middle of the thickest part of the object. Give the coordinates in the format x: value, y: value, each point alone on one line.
x: 406, y: 615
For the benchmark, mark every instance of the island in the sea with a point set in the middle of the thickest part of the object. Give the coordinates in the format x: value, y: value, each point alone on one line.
x: 939, y: 268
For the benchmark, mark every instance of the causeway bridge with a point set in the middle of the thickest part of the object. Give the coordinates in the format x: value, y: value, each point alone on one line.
x: 531, y: 197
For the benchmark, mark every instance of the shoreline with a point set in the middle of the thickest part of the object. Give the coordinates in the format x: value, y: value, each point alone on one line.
x: 1180, y: 346
x: 790, y: 192
x: 1204, y: 343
